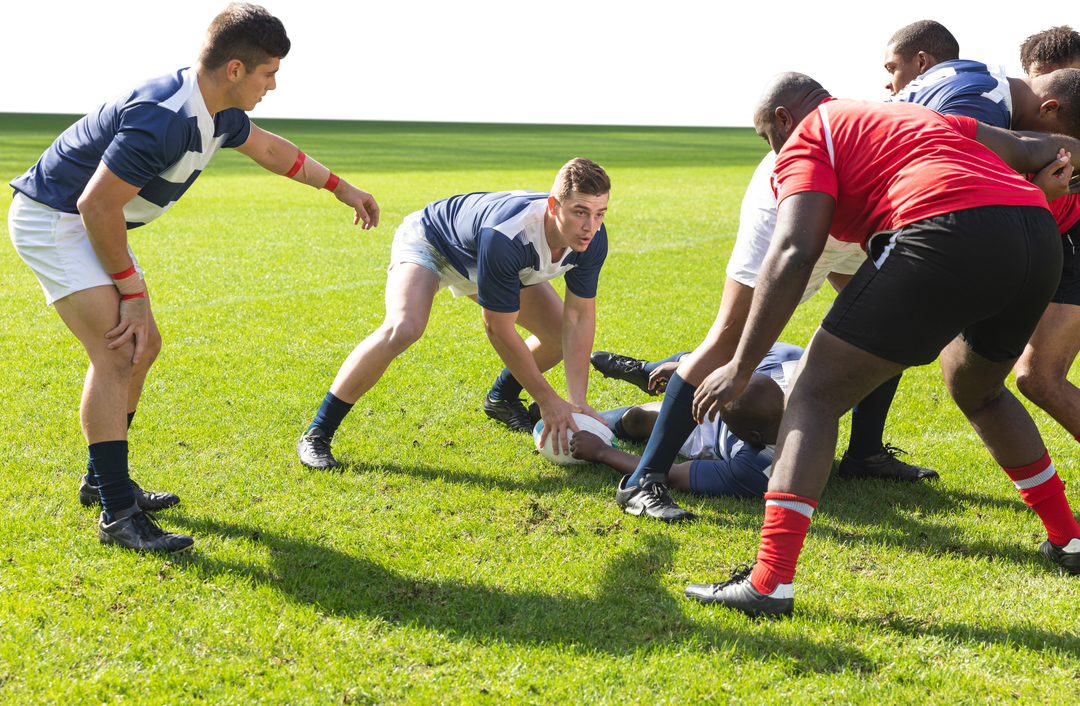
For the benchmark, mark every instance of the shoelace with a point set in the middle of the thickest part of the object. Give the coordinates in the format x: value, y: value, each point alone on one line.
x: 519, y: 416
x: 659, y: 491
x: 144, y: 522
x: 894, y: 451
x: 320, y: 444
x: 630, y: 365
x: 741, y: 572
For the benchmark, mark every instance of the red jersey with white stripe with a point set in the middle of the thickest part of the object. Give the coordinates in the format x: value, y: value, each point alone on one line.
x: 891, y: 164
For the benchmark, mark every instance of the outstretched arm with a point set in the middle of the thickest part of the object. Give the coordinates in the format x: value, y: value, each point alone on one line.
x: 278, y: 155
x: 578, y: 333
x: 1027, y: 152
x: 802, y: 228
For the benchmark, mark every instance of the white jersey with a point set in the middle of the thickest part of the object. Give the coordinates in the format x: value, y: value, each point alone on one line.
x: 757, y: 222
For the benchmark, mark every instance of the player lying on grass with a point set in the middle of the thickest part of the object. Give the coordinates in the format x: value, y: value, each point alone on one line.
x: 501, y: 250
x: 964, y: 267
x: 730, y: 456
x: 118, y: 168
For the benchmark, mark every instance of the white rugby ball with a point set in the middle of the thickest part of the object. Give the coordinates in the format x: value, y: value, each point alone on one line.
x: 585, y: 423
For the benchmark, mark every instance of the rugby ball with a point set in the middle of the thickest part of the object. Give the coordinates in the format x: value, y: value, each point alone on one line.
x: 585, y: 423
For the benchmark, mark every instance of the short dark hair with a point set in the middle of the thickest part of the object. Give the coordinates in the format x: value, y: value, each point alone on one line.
x: 1064, y: 85
x: 928, y: 36
x: 583, y: 176
x: 245, y: 32
x: 1053, y: 49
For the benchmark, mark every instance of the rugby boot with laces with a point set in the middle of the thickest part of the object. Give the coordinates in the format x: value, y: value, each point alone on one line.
x: 739, y: 594
x: 147, y: 500
x: 138, y: 530
x: 1067, y: 556
x: 313, y: 448
x: 622, y: 367
x: 650, y: 498
x: 886, y: 466
x: 512, y: 413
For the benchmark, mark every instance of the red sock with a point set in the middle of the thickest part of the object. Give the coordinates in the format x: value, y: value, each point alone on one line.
x: 1044, y: 493
x: 787, y: 517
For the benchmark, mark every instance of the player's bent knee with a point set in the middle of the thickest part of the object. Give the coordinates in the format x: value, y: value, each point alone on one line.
x: 399, y: 335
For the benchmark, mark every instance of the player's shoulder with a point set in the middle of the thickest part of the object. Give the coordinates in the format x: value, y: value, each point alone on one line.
x: 162, y: 103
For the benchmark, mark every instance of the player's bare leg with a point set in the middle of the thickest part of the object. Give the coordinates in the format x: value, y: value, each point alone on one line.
x: 1042, y: 370
x: 831, y: 378
x: 978, y: 387
x: 410, y: 291
x: 89, y: 314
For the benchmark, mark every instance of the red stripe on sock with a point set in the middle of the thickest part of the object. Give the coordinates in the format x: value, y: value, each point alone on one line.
x: 1034, y: 469
x: 1048, y: 501
x: 782, y: 538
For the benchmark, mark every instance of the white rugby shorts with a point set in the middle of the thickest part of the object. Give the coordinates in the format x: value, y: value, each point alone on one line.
x: 56, y: 248
x: 411, y: 246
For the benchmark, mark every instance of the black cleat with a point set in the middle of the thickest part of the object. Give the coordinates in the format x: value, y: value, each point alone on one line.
x: 147, y: 500
x: 512, y: 413
x: 313, y: 448
x: 139, y: 531
x: 885, y: 466
x: 622, y: 367
x: 739, y: 594
x: 1068, y: 556
x: 650, y: 498
x: 534, y: 413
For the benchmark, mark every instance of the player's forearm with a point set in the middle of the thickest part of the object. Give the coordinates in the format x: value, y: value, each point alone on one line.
x: 621, y: 461
x: 779, y: 288
x: 579, y: 332
x: 1027, y: 152
x: 519, y: 360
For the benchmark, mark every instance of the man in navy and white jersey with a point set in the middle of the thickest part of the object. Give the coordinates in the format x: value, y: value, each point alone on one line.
x: 501, y: 250
x: 118, y: 168
x: 729, y: 456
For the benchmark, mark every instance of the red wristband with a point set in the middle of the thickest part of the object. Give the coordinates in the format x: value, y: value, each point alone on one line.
x: 125, y: 274
x: 332, y: 182
x: 300, y: 157
x: 125, y: 297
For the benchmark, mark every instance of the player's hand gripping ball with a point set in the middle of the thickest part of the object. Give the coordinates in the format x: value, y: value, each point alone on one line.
x: 585, y: 423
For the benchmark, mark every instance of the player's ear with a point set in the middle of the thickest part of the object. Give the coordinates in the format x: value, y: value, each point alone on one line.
x: 783, y: 116
x: 754, y: 437
x: 234, y: 70
x: 924, y: 61
x: 1048, y: 107
x: 553, y: 205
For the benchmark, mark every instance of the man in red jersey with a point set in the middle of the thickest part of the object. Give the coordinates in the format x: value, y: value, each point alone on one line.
x: 963, y: 257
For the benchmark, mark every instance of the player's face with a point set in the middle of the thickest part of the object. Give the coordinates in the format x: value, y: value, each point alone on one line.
x: 770, y: 132
x: 577, y: 219
x: 248, y: 90
x: 901, y: 72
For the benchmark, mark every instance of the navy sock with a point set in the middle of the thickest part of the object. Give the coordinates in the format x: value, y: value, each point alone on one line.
x: 649, y: 367
x: 868, y: 420
x: 110, y: 462
x: 91, y: 476
x: 331, y: 412
x: 672, y: 429
x: 506, y: 387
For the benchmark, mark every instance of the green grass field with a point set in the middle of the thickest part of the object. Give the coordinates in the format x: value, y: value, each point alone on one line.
x: 449, y: 563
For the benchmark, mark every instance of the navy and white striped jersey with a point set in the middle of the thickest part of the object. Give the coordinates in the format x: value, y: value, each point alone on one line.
x: 158, y: 136
x: 962, y: 87
x: 497, y: 240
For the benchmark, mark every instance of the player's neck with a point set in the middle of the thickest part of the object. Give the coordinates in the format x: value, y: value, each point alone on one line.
x: 215, y: 94
x: 1024, y: 101
x: 551, y: 234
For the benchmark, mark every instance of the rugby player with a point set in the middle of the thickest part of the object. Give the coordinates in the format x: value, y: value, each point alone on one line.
x: 118, y: 168
x: 731, y: 456
x: 1050, y: 50
x: 963, y: 257
x: 501, y: 250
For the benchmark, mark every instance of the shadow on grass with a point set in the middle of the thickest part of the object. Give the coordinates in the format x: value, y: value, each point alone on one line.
x: 630, y: 609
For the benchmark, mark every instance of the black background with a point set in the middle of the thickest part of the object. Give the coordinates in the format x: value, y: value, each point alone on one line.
x: 524, y: 62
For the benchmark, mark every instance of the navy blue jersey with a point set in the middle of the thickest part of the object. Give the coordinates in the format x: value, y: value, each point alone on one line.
x: 962, y: 87
x: 158, y: 136
x: 497, y: 240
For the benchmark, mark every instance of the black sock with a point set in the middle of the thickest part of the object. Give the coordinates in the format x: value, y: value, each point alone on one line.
x: 91, y: 476
x: 506, y: 387
x: 331, y: 412
x: 868, y: 420
x: 109, y: 459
